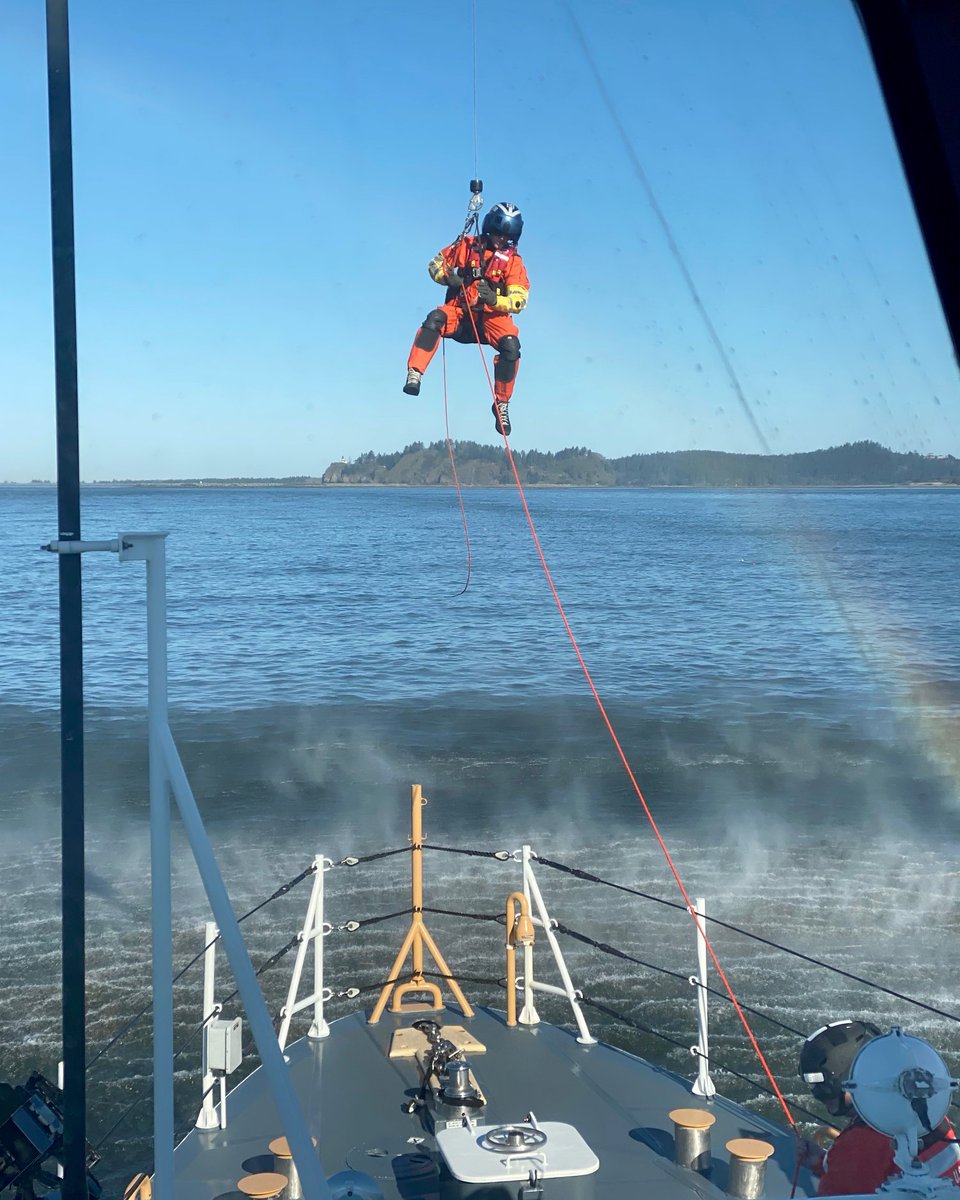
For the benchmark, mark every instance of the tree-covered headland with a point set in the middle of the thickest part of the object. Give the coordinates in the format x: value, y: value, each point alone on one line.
x: 856, y: 464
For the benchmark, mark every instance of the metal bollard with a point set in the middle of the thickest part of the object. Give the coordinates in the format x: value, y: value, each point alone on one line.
x: 691, y: 1137
x: 280, y: 1149
x: 748, y: 1166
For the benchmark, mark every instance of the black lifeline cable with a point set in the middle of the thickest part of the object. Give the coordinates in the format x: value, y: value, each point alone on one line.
x: 665, y: 1037
x: 816, y: 962
x: 365, y: 858
x: 496, y: 918
x: 128, y: 1025
x: 192, y: 1037
x: 503, y: 855
x: 605, y: 948
x: 403, y: 912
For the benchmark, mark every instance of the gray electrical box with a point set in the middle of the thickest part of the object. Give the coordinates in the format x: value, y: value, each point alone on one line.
x: 222, y: 1050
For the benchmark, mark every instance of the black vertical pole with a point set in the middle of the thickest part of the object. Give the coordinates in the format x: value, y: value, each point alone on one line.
x: 71, y: 620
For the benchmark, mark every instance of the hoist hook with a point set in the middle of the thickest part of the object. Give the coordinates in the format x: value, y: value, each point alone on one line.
x: 474, y: 206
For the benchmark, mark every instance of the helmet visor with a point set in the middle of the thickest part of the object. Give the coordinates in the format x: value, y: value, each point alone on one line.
x: 824, y: 1091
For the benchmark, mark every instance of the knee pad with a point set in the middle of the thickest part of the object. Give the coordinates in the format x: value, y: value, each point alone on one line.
x: 429, y: 332
x: 505, y: 364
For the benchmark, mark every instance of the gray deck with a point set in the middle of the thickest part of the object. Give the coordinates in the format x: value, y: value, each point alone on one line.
x: 353, y: 1097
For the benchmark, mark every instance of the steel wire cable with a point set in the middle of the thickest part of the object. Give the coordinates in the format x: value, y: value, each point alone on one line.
x: 453, y: 466
x: 503, y: 855
x: 620, y: 887
x: 282, y: 890
x: 757, y: 937
x: 616, y: 1015
x: 630, y: 151
x: 402, y: 912
x: 605, y: 948
x: 665, y: 1037
x: 499, y: 918
x: 375, y: 987
x: 474, y: 31
x: 488, y: 979
x: 365, y: 858
x: 191, y: 1038
x: 265, y: 966
x: 378, y: 987
x: 195, y: 1033
x: 475, y: 222
x: 738, y: 389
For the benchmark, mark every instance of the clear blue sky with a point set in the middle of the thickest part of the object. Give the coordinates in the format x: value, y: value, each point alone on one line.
x: 259, y: 186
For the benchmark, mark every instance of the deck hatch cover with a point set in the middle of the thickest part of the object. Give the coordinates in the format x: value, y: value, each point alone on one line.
x: 563, y: 1155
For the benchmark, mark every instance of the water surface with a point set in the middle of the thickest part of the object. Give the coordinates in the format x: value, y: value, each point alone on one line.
x: 782, y: 669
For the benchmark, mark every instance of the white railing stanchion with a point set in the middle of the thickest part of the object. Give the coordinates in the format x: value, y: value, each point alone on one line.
x: 207, y: 1117
x: 532, y: 891
x: 59, y: 1167
x: 703, y: 1085
x: 528, y: 1014
x: 311, y: 934
x: 319, y: 1029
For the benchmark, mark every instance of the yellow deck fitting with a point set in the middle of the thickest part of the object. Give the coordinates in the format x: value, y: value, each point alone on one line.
x: 417, y: 938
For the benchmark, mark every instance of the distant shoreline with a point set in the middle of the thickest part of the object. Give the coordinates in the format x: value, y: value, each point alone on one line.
x: 213, y: 485
x: 853, y: 465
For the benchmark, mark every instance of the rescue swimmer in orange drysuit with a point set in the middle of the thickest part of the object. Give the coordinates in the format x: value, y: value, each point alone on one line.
x: 486, y: 275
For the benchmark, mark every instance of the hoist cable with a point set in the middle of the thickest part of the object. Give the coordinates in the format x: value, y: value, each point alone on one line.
x: 672, y: 244
x: 472, y: 224
x: 475, y: 154
x: 453, y: 466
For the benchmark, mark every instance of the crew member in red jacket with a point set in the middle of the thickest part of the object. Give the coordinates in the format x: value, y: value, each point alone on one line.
x: 861, y: 1158
x: 486, y: 275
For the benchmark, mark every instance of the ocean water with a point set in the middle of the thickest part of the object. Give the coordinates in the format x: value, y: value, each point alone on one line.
x: 781, y: 668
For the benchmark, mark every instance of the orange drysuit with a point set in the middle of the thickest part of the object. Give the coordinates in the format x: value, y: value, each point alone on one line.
x: 472, y: 260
